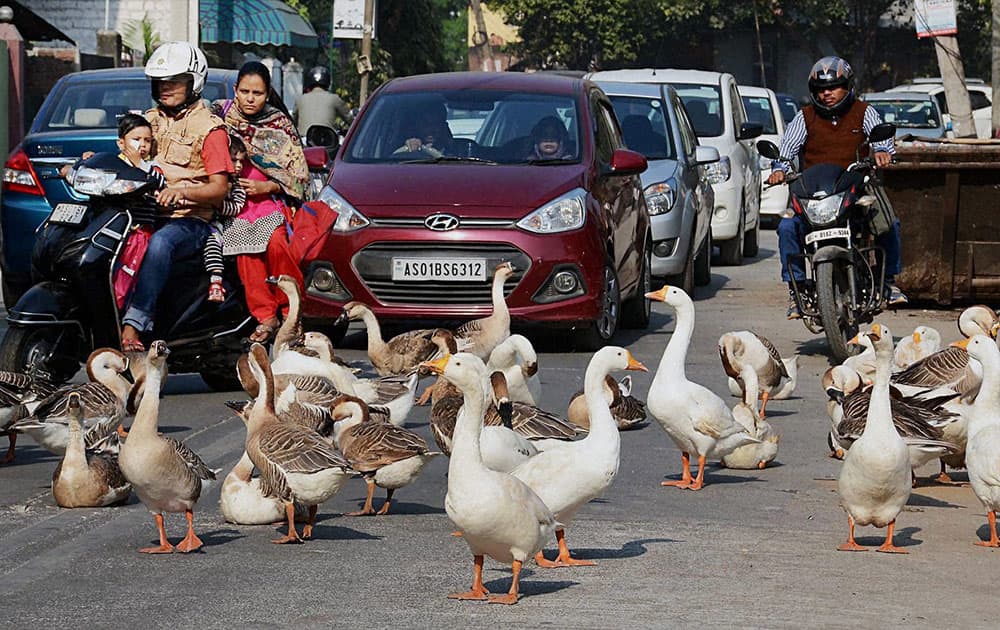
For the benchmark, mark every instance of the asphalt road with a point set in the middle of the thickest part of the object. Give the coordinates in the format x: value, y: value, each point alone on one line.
x: 753, y: 549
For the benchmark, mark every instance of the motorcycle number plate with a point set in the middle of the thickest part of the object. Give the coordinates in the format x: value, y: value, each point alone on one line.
x: 822, y: 235
x: 69, y: 213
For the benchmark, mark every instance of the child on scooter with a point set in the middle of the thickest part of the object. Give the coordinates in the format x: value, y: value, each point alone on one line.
x: 135, y: 141
x: 232, y: 205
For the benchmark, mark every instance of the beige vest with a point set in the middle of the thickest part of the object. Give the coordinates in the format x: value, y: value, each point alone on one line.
x: 177, y: 145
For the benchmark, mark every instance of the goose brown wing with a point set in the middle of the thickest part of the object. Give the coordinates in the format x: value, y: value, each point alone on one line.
x: 771, y: 350
x: 374, y: 445
x: 628, y: 410
x: 947, y: 367
x: 413, y: 347
x: 911, y: 421
x: 444, y: 413
x: 96, y: 399
x: 310, y: 416
x: 535, y: 423
x: 469, y: 328
x: 389, y: 388
x: 314, y: 390
x: 191, y: 460
x: 107, y: 467
x: 297, y: 450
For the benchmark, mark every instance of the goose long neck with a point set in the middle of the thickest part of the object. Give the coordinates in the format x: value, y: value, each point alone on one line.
x: 375, y: 341
x: 468, y: 428
x: 291, y: 328
x: 672, y: 361
x: 989, y: 396
x: 602, y: 424
x: 75, y: 451
x: 496, y: 294
x: 879, y: 408
x: 243, y: 470
x: 147, y: 415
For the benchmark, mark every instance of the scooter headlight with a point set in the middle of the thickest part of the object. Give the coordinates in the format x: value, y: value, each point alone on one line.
x: 92, y: 181
x: 823, y: 211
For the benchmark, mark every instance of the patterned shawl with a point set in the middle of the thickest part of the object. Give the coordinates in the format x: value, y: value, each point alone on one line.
x: 273, y: 144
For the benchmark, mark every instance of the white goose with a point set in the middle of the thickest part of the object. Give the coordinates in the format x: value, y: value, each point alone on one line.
x: 864, y: 362
x: 776, y: 377
x: 760, y: 454
x: 517, y: 359
x: 696, y: 419
x: 922, y: 342
x: 481, y: 336
x: 568, y: 477
x: 499, y: 515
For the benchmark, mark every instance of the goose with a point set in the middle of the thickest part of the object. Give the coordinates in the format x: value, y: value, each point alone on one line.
x: 499, y: 515
x: 979, y: 319
x: 83, y: 479
x: 290, y: 333
x: 569, y: 477
x: 387, y: 456
x: 103, y: 400
x: 776, y: 376
x: 17, y: 392
x: 517, y: 359
x: 296, y: 464
x: 543, y: 428
x: 481, y: 336
x: 399, y: 355
x: 982, y: 455
x: 864, y: 362
x: 696, y: 419
x: 627, y: 410
x: 165, y: 474
x: 922, y: 342
x: 760, y: 454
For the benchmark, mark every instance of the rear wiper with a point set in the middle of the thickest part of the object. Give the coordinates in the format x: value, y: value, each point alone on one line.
x: 449, y: 158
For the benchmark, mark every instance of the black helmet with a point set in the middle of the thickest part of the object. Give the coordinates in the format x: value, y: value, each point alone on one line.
x: 318, y: 76
x: 831, y: 72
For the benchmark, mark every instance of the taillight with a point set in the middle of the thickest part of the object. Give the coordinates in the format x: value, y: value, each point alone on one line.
x: 19, y: 176
x: 796, y: 206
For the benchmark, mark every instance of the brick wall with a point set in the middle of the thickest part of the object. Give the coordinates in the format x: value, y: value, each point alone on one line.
x: 81, y: 19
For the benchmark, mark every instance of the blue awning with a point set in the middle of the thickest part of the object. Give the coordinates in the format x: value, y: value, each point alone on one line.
x: 254, y: 22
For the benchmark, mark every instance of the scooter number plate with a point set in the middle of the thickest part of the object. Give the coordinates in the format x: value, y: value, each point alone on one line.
x: 823, y: 235
x: 69, y: 213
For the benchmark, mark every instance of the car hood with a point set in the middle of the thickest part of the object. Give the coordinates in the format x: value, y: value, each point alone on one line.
x: 498, y: 190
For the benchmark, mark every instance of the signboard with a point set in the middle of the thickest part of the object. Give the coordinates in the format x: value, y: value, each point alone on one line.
x: 935, y: 17
x: 349, y: 19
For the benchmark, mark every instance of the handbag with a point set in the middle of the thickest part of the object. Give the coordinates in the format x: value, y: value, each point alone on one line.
x: 127, y: 266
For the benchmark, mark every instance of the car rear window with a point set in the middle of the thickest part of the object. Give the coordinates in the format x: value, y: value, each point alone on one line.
x: 704, y: 107
x: 759, y: 111
x: 645, y: 126
x: 908, y: 114
x: 490, y: 125
x: 100, y: 104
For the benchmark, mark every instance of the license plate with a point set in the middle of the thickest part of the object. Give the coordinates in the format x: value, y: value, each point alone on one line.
x: 71, y: 213
x: 822, y: 235
x: 440, y: 269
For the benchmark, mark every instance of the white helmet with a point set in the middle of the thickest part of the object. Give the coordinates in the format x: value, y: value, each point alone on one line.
x: 175, y: 59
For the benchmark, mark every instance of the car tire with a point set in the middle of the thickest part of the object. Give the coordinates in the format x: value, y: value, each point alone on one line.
x: 703, y: 263
x: 636, y: 310
x: 603, y: 329
x: 731, y: 251
x: 751, y: 240
x: 685, y: 279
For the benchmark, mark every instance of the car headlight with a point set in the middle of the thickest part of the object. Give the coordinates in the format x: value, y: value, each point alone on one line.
x: 718, y: 172
x: 560, y: 215
x: 823, y: 211
x: 348, y: 218
x: 660, y: 198
x: 92, y: 181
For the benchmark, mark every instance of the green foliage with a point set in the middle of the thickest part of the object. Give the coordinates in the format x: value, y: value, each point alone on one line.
x: 141, y: 35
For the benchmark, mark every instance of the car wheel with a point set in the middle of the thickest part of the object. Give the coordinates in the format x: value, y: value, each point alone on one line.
x: 731, y: 251
x: 685, y: 279
x: 751, y: 240
x: 600, y: 332
x: 703, y: 263
x: 636, y: 310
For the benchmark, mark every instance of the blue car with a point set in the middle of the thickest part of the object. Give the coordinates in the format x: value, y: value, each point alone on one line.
x: 80, y: 114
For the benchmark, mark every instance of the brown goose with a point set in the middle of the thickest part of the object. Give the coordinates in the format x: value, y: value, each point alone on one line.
x: 627, y: 410
x: 481, y: 336
x: 401, y: 354
x: 17, y: 392
x: 289, y: 335
x: 947, y: 368
x: 775, y: 376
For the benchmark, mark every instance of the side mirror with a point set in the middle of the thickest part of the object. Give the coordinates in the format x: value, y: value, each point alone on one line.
x: 706, y: 155
x: 748, y: 131
x: 321, y: 136
x: 627, y: 162
x: 768, y: 149
x: 882, y: 132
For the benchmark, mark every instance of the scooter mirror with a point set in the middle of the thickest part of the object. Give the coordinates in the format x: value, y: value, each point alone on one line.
x: 882, y: 132
x: 768, y: 149
x: 321, y: 136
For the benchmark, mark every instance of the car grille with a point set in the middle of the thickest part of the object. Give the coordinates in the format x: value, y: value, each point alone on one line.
x: 374, y: 265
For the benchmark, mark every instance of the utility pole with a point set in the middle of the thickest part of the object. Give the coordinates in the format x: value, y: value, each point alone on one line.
x: 365, y: 60
x: 955, y: 91
x: 995, y: 41
x: 481, y: 38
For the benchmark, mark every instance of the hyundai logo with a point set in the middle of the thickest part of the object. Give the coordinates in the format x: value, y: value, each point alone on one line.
x: 441, y: 222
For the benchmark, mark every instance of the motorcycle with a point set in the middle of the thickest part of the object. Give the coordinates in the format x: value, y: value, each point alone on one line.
x: 845, y: 269
x: 72, y: 307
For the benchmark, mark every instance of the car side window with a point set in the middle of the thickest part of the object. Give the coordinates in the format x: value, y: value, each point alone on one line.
x: 736, y: 103
x: 942, y: 102
x: 689, y: 139
x: 605, y: 139
x: 978, y: 100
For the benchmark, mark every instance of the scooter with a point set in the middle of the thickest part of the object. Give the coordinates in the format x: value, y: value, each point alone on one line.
x: 72, y: 308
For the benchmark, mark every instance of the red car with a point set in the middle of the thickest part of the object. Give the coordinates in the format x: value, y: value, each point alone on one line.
x: 444, y: 176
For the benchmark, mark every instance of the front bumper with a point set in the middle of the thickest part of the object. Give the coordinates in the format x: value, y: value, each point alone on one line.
x: 671, y: 242
x: 726, y: 214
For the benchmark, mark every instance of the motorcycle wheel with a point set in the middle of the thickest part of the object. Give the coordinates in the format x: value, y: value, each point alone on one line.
x: 25, y: 346
x: 834, y: 299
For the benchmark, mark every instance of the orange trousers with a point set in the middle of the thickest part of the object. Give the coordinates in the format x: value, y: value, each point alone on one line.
x: 264, y: 300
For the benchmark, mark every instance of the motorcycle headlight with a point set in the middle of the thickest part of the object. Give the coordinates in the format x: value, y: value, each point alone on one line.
x: 560, y: 215
x: 92, y: 181
x: 348, y: 217
x: 660, y: 198
x: 718, y: 172
x: 823, y: 211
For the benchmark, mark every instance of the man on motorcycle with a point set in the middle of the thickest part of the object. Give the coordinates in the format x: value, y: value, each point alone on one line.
x: 191, y: 148
x: 829, y: 132
x: 318, y: 106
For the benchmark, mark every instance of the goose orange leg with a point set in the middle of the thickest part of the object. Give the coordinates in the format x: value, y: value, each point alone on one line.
x: 699, y: 481
x: 511, y: 596
x: 9, y: 457
x: 367, y: 509
x: 478, y: 590
x: 763, y: 405
x: 685, y: 479
x: 191, y: 542
x: 165, y: 546
x: 388, y: 501
x: 293, y: 535
x: 563, y: 559
x: 991, y: 516
x: 887, y: 546
x: 943, y: 477
x: 850, y: 545
x: 307, y: 529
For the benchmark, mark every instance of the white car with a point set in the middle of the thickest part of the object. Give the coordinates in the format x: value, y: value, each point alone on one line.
x: 763, y: 108
x: 980, y: 97
x: 716, y: 112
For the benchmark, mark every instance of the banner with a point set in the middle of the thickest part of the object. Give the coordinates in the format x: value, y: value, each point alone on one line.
x: 349, y: 19
x: 935, y: 17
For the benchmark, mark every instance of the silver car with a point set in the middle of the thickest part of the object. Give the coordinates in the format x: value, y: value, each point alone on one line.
x: 678, y: 194
x: 914, y: 113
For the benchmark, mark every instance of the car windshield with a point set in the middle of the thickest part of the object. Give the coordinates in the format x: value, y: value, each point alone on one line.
x: 704, y: 107
x: 645, y: 126
x: 908, y: 114
x: 488, y: 126
x: 101, y: 104
x: 759, y: 111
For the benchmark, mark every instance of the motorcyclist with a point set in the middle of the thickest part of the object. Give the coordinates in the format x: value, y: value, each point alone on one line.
x: 828, y: 131
x: 318, y: 106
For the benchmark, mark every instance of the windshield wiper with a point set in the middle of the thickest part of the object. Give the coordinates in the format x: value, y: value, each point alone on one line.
x: 449, y: 158
x: 549, y: 161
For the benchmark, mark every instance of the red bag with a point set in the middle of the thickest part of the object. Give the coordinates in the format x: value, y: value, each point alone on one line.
x: 310, y: 227
x: 127, y: 267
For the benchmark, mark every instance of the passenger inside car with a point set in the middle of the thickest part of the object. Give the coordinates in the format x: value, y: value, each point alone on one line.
x: 640, y: 136
x: 548, y: 139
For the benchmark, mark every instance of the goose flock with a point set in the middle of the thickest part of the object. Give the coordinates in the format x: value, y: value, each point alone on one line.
x: 517, y: 473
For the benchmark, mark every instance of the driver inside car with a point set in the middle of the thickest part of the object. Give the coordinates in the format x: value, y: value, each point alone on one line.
x: 429, y: 133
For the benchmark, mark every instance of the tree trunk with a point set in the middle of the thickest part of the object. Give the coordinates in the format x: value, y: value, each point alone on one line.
x: 955, y: 92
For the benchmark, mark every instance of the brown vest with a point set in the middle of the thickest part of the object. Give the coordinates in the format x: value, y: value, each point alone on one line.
x: 829, y: 143
x: 177, y: 145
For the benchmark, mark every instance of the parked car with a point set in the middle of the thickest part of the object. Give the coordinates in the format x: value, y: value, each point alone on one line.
x: 679, y: 197
x: 762, y: 107
x: 80, y: 114
x: 716, y: 112
x: 980, y: 97
x: 789, y: 106
x: 420, y: 230
x: 913, y: 113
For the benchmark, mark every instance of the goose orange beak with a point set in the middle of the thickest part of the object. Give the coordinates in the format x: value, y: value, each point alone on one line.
x: 916, y: 337
x: 963, y: 344
x: 876, y: 332
x: 659, y: 296
x: 635, y: 365
x: 437, y: 366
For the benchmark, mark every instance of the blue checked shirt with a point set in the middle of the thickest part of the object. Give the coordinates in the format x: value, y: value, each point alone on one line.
x: 795, y: 136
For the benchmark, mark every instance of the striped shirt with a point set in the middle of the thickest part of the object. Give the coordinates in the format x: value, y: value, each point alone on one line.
x: 796, y: 134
